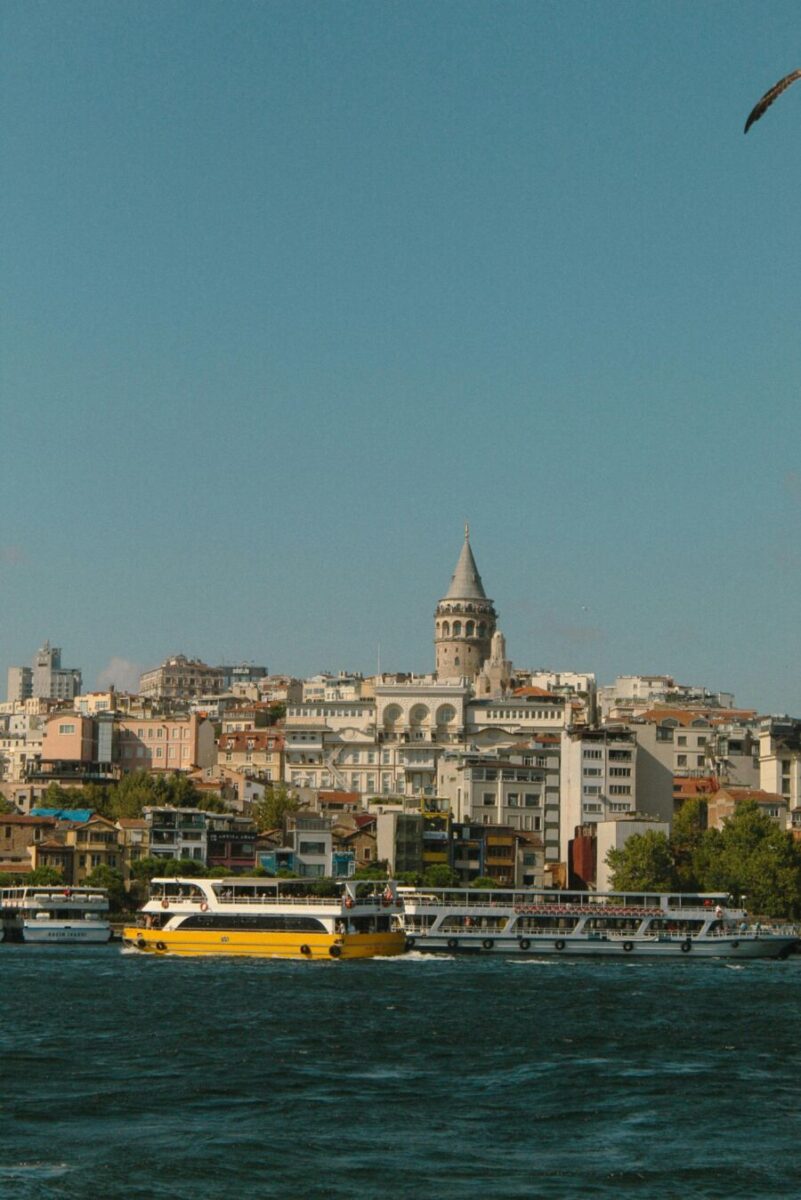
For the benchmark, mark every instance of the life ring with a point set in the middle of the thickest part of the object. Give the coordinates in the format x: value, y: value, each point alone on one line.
x: 411, y: 943
x: 524, y: 943
x: 628, y: 947
x: 165, y: 903
x: 686, y: 947
x: 559, y: 945
x: 306, y: 950
x: 452, y: 943
x: 141, y: 943
x: 488, y: 943
x: 335, y: 951
x: 161, y: 946
x: 204, y: 906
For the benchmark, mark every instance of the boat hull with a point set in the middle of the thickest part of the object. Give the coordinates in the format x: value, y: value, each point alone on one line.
x: 45, y: 933
x: 268, y: 944
x: 744, y: 947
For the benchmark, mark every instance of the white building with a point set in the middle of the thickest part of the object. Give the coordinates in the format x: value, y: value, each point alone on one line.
x: 780, y: 760
x: 613, y: 835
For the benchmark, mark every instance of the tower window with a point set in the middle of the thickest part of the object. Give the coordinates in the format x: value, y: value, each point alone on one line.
x: 470, y: 629
x: 457, y: 628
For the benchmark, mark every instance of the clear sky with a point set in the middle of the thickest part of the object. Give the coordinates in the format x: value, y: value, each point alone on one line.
x: 294, y: 289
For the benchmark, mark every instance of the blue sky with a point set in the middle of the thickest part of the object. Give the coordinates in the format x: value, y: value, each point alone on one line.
x: 294, y: 289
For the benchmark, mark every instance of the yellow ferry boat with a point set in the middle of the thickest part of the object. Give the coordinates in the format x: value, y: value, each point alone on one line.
x: 267, y: 918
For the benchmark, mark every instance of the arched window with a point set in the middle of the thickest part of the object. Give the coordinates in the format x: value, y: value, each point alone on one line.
x: 446, y: 629
x: 457, y: 628
x: 470, y: 629
x: 482, y: 629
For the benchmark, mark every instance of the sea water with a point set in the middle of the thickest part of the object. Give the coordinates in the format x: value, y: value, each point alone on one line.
x: 123, y: 1075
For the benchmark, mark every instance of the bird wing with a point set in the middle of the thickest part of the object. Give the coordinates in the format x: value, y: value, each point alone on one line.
x: 769, y: 97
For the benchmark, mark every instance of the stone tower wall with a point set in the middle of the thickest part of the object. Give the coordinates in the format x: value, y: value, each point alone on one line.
x: 462, y: 637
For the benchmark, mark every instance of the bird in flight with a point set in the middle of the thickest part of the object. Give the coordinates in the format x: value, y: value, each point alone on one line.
x: 764, y: 104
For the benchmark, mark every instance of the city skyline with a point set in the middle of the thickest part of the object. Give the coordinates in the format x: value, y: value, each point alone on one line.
x: 299, y: 289
x: 125, y: 675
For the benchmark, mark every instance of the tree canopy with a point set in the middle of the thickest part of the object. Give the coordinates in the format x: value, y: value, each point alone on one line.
x: 129, y: 796
x: 750, y: 858
x: 273, y: 808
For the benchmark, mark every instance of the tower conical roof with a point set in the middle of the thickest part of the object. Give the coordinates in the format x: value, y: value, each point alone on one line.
x: 466, y: 582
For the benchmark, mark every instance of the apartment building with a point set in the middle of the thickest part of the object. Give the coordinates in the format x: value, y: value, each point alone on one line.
x: 181, y: 678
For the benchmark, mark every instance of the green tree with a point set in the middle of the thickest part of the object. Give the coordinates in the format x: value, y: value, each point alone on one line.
x: 324, y: 886
x: 752, y: 857
x: 186, y: 867
x: 440, y: 875
x: 484, y: 881
x: 56, y: 796
x: 376, y: 870
x: 44, y: 876
x: 5, y: 805
x: 644, y: 864
x: 410, y: 878
x: 274, y: 808
x: 145, y: 869
x: 112, y: 880
x: 686, y: 837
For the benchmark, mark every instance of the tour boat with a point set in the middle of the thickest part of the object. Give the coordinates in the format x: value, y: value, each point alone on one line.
x: 55, y: 914
x: 267, y: 918
x: 608, y: 924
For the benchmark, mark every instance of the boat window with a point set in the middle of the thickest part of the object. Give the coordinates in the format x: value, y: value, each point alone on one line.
x: 535, y: 923
x: 628, y: 923
x: 253, y: 921
x: 673, y: 925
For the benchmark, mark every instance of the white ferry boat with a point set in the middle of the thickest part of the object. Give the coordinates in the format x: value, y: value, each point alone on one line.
x: 607, y: 924
x: 55, y: 914
x: 267, y: 918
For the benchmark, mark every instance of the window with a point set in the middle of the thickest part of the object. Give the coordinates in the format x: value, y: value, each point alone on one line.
x: 532, y: 800
x: 512, y: 799
x: 489, y: 799
x: 66, y: 729
x: 681, y: 760
x: 681, y: 740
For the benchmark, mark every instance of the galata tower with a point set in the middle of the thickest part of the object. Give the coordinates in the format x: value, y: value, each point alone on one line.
x: 464, y: 621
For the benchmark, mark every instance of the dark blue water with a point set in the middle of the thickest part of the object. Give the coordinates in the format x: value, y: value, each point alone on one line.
x: 127, y: 1076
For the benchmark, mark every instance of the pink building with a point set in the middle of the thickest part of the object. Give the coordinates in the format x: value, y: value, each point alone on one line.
x: 165, y: 743
x: 68, y: 738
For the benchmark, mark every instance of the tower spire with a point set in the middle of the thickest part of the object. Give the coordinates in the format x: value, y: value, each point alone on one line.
x: 464, y: 621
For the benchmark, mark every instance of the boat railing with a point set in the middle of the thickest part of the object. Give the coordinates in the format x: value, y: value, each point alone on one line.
x: 272, y: 898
